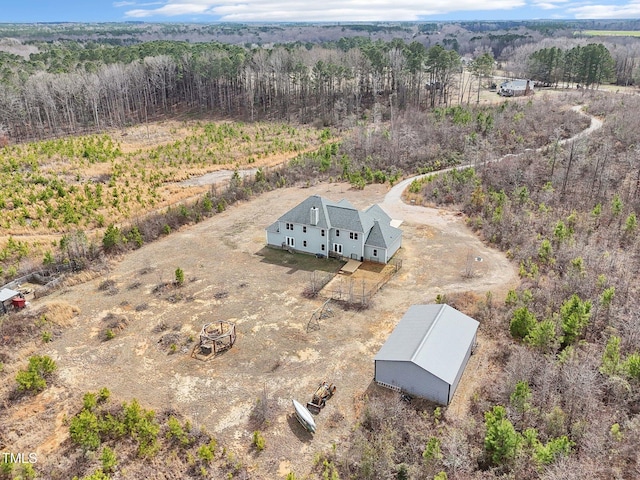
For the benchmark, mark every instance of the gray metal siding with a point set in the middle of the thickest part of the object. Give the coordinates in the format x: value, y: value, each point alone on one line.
x: 412, y: 379
x: 455, y: 383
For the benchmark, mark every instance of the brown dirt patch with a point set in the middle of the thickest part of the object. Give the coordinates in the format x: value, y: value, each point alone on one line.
x: 273, y: 353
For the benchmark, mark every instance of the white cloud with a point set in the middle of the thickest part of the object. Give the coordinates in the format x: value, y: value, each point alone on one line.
x: 330, y: 10
x: 628, y: 10
x: 129, y: 3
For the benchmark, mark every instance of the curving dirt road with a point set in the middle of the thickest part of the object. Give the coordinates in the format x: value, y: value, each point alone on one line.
x: 229, y: 276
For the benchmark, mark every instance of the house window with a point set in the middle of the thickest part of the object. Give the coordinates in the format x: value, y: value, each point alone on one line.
x: 375, y: 252
x: 322, y: 247
x: 289, y: 226
x: 291, y: 242
x: 337, y: 233
x: 337, y: 247
x: 322, y: 232
x: 304, y: 243
x: 304, y: 229
x: 353, y: 235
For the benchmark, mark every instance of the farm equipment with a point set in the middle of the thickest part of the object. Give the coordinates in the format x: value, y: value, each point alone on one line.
x: 323, y: 393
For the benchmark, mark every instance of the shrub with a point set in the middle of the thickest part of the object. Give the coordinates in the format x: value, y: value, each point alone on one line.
x: 6, y: 466
x: 103, y: 395
x: 259, y: 441
x: 84, y: 430
x: 109, y: 460
x: 179, y: 276
x: 135, y: 236
x: 521, y: 323
x: 89, y: 401
x: 177, y: 432
x: 97, y: 475
x: 34, y: 378
x: 501, y: 441
x: 554, y: 448
x: 432, y: 453
x: 206, y: 453
x: 112, y: 238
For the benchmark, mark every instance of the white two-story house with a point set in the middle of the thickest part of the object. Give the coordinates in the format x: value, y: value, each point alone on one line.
x: 321, y: 227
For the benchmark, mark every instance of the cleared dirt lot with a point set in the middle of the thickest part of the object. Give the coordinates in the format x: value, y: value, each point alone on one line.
x: 230, y: 276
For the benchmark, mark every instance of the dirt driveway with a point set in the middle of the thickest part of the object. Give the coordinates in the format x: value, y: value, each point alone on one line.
x: 229, y: 277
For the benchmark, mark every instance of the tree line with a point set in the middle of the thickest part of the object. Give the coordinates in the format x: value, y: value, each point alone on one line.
x: 77, y: 88
x: 589, y: 65
x: 139, y: 83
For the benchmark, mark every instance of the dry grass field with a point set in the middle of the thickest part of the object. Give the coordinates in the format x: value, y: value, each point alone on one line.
x: 89, y: 182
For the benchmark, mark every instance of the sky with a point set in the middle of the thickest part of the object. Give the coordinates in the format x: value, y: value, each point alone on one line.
x: 25, y: 11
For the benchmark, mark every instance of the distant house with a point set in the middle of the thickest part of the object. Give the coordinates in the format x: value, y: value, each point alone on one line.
x: 322, y: 227
x: 427, y: 352
x: 515, y: 88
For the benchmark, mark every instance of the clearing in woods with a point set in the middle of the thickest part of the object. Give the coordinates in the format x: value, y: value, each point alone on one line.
x: 230, y: 275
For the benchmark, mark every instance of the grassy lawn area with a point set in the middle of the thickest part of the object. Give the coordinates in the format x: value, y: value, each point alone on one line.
x: 610, y: 33
x: 299, y: 261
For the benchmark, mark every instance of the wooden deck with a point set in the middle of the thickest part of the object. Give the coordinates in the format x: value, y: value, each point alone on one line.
x: 351, y: 266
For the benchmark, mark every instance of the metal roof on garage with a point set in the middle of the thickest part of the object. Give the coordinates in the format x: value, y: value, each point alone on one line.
x: 7, y: 294
x: 435, y: 337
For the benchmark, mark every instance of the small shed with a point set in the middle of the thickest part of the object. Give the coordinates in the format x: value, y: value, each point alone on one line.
x: 6, y: 297
x: 427, y: 352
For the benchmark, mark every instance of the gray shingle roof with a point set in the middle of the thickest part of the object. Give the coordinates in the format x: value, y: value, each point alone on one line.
x: 301, y: 213
x: 374, y: 222
x: 348, y: 218
x: 434, y: 337
x: 377, y: 213
x: 382, y: 235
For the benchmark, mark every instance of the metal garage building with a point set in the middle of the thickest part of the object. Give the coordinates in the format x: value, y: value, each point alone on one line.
x: 427, y: 352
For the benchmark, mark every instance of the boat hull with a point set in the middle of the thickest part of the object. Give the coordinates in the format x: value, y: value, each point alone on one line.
x: 304, y: 417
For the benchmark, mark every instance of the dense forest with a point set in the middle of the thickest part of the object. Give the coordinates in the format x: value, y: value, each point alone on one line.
x: 388, y: 102
x: 70, y: 86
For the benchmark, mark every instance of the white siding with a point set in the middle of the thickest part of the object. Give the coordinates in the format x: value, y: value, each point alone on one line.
x: 381, y: 256
x: 351, y: 248
x: 393, y: 248
x: 275, y: 238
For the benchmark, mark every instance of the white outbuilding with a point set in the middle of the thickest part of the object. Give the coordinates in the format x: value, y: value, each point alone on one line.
x: 427, y: 352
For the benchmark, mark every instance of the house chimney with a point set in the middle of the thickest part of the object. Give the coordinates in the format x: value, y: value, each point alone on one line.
x: 314, y: 216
